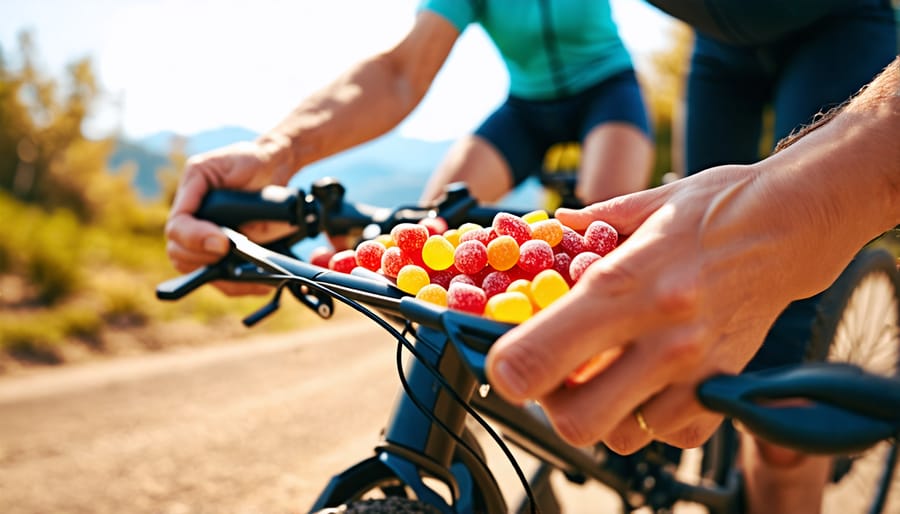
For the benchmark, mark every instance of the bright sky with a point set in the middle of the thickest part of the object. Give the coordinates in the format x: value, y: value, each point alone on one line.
x: 199, y: 64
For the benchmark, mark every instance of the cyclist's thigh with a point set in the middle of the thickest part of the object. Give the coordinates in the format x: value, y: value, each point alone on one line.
x: 617, y: 153
x: 476, y: 162
x: 726, y: 93
x: 830, y: 61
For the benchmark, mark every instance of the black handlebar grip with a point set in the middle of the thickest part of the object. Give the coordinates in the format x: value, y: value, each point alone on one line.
x: 230, y: 208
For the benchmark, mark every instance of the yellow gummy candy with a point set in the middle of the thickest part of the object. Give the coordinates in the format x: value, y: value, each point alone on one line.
x: 433, y: 293
x: 512, y: 307
x: 412, y: 278
x: 523, y: 286
x: 547, y: 287
x: 535, y: 216
x: 452, y: 235
x: 467, y: 227
x: 438, y: 253
x: 386, y: 240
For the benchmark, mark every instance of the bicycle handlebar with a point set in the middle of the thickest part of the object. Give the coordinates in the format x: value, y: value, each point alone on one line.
x: 864, y: 407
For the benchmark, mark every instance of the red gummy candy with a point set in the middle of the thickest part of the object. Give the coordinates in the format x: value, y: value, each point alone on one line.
x: 393, y: 259
x: 343, y: 261
x: 465, y: 297
x: 580, y: 264
x: 436, y: 226
x: 535, y: 256
x: 443, y: 277
x: 462, y: 279
x: 561, y: 263
x: 321, y: 256
x: 485, y: 235
x: 410, y: 237
x: 368, y: 255
x: 470, y: 257
x: 600, y: 237
x: 572, y: 243
x: 506, y: 224
x: 495, y: 282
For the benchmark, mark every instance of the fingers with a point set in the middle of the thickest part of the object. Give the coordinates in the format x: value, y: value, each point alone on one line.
x: 626, y: 213
x: 192, y: 243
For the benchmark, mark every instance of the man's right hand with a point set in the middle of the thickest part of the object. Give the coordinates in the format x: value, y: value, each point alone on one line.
x: 191, y: 242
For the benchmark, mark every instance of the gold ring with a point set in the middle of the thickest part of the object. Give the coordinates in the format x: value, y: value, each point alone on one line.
x: 639, y: 417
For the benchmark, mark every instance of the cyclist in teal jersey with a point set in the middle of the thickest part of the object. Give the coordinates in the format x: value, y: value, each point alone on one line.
x: 570, y: 79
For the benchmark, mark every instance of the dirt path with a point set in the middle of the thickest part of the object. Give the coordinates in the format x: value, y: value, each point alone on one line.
x: 254, y: 427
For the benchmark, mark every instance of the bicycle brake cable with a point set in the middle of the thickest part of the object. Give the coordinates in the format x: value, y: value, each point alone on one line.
x: 404, y: 343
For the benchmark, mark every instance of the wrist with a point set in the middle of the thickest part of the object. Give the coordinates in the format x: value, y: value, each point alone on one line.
x: 278, y: 151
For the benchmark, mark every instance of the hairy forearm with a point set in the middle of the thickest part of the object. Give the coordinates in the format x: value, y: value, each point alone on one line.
x: 851, y: 163
x: 365, y: 102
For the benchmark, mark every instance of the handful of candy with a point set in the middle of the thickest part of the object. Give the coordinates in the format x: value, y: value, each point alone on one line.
x: 506, y: 272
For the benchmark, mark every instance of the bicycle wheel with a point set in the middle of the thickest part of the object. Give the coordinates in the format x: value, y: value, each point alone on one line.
x: 857, y: 322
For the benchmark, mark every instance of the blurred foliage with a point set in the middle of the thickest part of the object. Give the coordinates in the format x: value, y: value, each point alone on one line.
x: 80, y: 251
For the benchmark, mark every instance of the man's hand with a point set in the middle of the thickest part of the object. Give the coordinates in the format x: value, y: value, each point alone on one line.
x: 191, y: 242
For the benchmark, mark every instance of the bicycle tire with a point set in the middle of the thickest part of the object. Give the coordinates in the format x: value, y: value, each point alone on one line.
x: 858, y: 321
x: 393, y: 505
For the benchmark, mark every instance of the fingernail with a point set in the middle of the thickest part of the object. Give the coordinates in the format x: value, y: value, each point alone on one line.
x: 512, y: 380
x: 218, y: 245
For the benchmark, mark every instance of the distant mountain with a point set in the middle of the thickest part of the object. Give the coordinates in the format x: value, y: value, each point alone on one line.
x: 386, y: 171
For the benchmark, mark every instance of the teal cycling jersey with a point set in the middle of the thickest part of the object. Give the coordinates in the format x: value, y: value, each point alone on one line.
x: 552, y: 49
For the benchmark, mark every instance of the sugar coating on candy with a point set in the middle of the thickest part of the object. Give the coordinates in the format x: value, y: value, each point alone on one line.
x: 470, y: 257
x: 478, y: 234
x: 443, y: 277
x: 535, y: 256
x: 548, y: 230
x: 465, y: 227
x: 467, y: 298
x: 561, y: 263
x: 580, y: 264
x: 435, y: 225
x: 547, y: 287
x: 506, y: 224
x: 410, y: 237
x: 393, y: 260
x: 600, y: 237
x: 437, y: 253
x: 479, y: 276
x: 572, y: 243
x: 535, y: 216
x: 368, y: 255
x: 411, y: 278
x: 495, y: 283
x: 503, y: 253
x: 433, y: 293
x: 514, y: 307
x: 343, y: 261
x: 462, y: 279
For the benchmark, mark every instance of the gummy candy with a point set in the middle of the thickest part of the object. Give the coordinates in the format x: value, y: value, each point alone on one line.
x: 393, y: 259
x: 580, y: 264
x: 368, y: 255
x: 506, y: 224
x: 561, y: 263
x: 600, y: 237
x: 410, y: 237
x: 572, y: 243
x: 485, y: 235
x: 465, y: 297
x: 465, y: 227
x: 548, y: 230
x: 433, y: 293
x: 462, y: 279
x: 503, y: 253
x: 535, y: 256
x: 386, y: 240
x: 523, y: 286
x: 343, y: 261
x: 470, y: 257
x: 495, y: 282
x: 443, y: 277
x: 547, y: 287
x: 513, y: 307
x: 535, y: 216
x: 437, y: 253
x: 321, y: 255
x: 453, y: 236
x: 435, y: 225
x: 411, y: 278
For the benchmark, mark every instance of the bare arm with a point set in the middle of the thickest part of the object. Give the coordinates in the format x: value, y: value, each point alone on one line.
x: 368, y: 100
x: 710, y: 263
